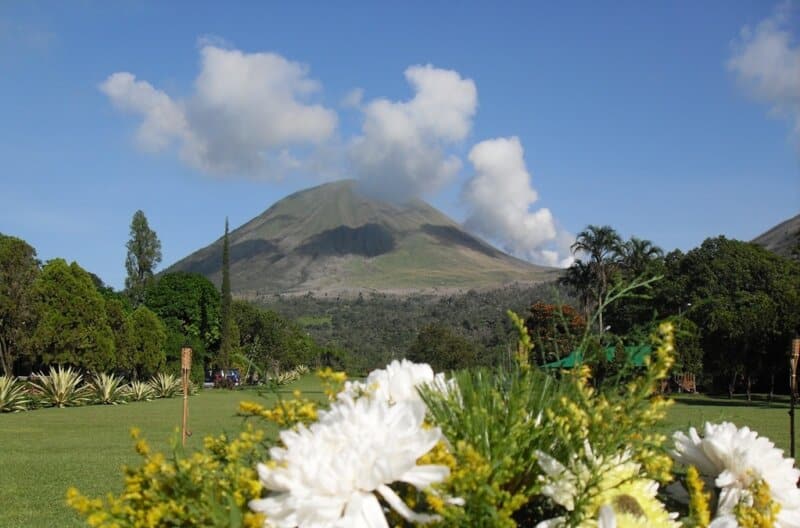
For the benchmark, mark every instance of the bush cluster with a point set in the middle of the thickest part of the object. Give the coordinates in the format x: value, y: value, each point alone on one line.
x: 67, y: 387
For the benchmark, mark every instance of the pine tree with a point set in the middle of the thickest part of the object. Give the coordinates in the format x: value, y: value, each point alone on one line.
x: 144, y: 254
x: 226, y: 345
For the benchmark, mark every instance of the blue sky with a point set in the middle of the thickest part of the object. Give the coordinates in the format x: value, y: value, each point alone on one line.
x: 670, y: 121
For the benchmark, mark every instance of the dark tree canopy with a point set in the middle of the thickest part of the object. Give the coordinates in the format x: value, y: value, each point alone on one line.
x: 120, y: 324
x: 745, y: 301
x: 72, y: 326
x: 555, y: 330
x: 188, y: 303
x: 144, y: 254
x: 443, y: 349
x: 149, y: 336
x: 270, y: 341
x: 18, y: 270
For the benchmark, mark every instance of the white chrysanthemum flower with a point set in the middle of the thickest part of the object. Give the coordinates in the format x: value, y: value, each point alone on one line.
x: 398, y: 382
x: 326, y: 475
x: 620, y: 496
x: 735, y: 458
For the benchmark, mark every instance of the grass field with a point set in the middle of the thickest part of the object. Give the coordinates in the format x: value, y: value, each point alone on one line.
x: 44, y: 452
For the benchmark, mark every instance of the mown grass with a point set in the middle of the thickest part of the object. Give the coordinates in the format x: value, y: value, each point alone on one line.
x: 770, y: 419
x: 44, y: 452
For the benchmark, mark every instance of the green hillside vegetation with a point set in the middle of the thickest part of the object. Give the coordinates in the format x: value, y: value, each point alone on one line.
x: 332, y: 239
x: 370, y: 330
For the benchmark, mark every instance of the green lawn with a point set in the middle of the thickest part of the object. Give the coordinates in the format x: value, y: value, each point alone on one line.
x: 768, y: 419
x: 43, y: 452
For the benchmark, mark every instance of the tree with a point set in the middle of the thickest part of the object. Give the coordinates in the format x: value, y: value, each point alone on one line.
x: 744, y: 299
x: 120, y: 324
x: 72, y: 327
x: 637, y: 255
x: 149, y: 338
x: 226, y: 343
x: 269, y: 341
x: 189, y: 303
x: 578, y: 278
x: 603, y: 245
x: 144, y: 254
x: 555, y: 330
x: 438, y: 346
x: 18, y: 270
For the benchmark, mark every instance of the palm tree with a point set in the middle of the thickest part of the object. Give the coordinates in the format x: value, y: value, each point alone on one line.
x: 579, y: 278
x: 637, y: 253
x: 603, y: 246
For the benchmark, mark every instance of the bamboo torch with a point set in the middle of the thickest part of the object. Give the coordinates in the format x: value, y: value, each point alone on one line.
x: 186, y: 368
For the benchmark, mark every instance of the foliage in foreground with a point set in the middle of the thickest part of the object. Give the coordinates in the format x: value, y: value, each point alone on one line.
x: 485, y: 447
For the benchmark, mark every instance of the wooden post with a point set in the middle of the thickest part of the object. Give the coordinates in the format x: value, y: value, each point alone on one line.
x: 793, y: 388
x: 186, y: 368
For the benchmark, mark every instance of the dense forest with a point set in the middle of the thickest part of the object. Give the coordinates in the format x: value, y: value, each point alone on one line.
x: 372, y: 329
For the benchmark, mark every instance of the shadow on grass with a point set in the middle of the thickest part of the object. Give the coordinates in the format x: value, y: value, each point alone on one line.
x: 758, y: 401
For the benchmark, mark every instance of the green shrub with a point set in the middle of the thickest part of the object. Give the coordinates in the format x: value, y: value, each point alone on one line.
x: 139, y: 391
x: 108, y: 389
x: 60, y: 388
x: 13, y: 396
x: 165, y: 385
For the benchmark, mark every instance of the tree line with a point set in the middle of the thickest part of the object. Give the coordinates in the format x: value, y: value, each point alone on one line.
x: 57, y: 313
x: 735, y: 305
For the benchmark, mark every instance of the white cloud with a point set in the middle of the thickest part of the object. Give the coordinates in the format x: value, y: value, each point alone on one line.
x: 767, y: 61
x: 402, y: 150
x: 247, y: 112
x: 499, y: 197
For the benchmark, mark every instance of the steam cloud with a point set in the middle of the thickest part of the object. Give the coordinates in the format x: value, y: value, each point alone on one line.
x: 401, y: 152
x: 499, y: 197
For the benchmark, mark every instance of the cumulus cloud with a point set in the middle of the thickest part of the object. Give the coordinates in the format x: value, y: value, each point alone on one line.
x: 499, y: 197
x: 766, y: 59
x: 246, y: 114
x: 402, y: 150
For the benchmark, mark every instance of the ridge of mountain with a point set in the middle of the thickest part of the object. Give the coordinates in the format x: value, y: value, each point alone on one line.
x: 332, y: 239
x: 782, y: 238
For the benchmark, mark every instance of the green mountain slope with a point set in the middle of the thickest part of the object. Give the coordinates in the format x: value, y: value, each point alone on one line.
x: 331, y: 239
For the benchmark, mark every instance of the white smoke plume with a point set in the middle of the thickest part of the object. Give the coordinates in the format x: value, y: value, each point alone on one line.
x: 499, y: 197
x: 402, y: 150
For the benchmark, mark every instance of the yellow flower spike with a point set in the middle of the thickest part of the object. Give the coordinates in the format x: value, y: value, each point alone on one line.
x: 143, y: 448
x: 699, y: 513
x: 758, y: 510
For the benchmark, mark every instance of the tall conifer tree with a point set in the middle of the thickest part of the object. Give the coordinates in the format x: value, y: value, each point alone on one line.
x: 144, y: 254
x: 226, y: 345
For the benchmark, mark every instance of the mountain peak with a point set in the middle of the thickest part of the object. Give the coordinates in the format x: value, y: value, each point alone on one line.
x: 332, y: 238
